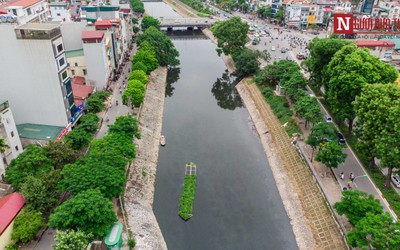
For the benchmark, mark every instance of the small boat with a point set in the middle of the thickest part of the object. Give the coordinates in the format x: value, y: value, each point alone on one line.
x: 162, y: 140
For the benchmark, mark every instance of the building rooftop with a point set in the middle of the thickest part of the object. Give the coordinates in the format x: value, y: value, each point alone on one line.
x: 370, y: 43
x: 81, y: 92
x: 74, y: 53
x: 39, y: 26
x: 18, y: 3
x: 38, y: 131
x: 10, y: 205
x: 106, y: 23
x: 58, y: 4
x: 2, y: 101
x: 92, y: 35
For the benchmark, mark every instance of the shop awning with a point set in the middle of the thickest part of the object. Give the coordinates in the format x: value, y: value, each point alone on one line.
x: 328, y: 9
x: 293, y: 23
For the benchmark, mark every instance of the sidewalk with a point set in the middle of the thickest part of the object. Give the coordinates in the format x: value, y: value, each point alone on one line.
x: 323, y: 226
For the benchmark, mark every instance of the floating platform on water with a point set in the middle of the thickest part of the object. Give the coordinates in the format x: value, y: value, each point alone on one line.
x: 188, y: 192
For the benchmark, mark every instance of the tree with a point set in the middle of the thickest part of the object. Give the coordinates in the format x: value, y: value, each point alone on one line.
x: 149, y: 21
x: 295, y: 88
x: 138, y: 7
x: 279, y: 14
x: 136, y: 84
x: 125, y: 124
x: 378, y: 230
x: 321, y: 53
x: 355, y: 204
x: 313, y: 26
x: 372, y: 112
x: 78, y: 138
x: 321, y: 133
x: 60, y: 153
x: 33, y: 161
x: 3, y: 147
x: 139, y: 75
x: 348, y: 72
x: 89, y: 123
x: 148, y: 58
x: 330, y: 154
x: 165, y: 51
x: 265, y: 55
x: 26, y: 225
x: 88, y: 211
x: 76, y: 240
x: 94, y: 104
x: 135, y: 20
x: 246, y: 63
x: 39, y: 194
x: 102, y: 95
x: 231, y: 35
x: 308, y: 108
x: 136, y: 96
x: 88, y: 174
x: 139, y: 66
x: 119, y: 142
x: 135, y: 29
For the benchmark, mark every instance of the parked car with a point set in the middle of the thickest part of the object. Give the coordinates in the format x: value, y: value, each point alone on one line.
x: 327, y: 118
x: 341, y: 139
x: 300, y: 56
x: 315, y: 33
x: 273, y: 48
x: 396, y: 180
x: 283, y: 50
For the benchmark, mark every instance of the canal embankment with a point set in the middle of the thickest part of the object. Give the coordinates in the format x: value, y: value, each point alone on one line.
x: 139, y: 192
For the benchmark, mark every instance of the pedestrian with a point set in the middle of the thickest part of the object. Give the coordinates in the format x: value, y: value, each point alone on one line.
x: 350, y: 184
x: 342, y: 175
x: 351, y: 176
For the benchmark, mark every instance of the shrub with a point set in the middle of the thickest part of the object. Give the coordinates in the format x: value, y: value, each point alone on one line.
x: 139, y: 66
x: 139, y: 75
x: 26, y: 225
x: 131, y: 243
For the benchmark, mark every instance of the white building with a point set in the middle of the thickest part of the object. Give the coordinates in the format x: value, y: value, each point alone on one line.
x: 26, y: 10
x: 96, y: 56
x: 59, y: 10
x: 8, y: 131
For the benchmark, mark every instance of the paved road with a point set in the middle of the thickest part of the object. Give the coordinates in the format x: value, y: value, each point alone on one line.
x: 352, y: 164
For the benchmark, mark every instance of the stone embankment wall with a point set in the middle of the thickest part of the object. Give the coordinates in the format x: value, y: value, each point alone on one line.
x: 139, y: 193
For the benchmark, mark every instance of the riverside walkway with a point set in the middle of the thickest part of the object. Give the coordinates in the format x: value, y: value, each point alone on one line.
x: 323, y: 226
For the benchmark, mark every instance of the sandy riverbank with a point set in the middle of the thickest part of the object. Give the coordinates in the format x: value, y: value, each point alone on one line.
x: 291, y: 202
x: 140, y: 186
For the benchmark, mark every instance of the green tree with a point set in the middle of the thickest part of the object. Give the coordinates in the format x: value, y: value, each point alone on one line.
x: 102, y: 95
x: 355, y: 204
x: 33, y: 161
x: 139, y: 66
x: 136, y: 84
x: 41, y: 193
x: 246, y: 63
x: 295, y: 89
x: 330, y: 154
x: 89, y: 123
x: 3, y: 147
x: 231, y: 35
x: 125, y: 124
x: 279, y: 14
x: 321, y: 53
x: 138, y: 7
x: 313, y: 26
x: 139, y: 75
x: 148, y: 58
x: 78, y: 138
x: 136, y: 96
x: 308, y: 108
x: 26, y: 225
x: 121, y: 143
x: 94, y: 104
x: 376, y: 230
x: 88, y: 211
x: 135, y: 20
x: 371, y: 111
x: 321, y: 133
x: 135, y: 29
x: 76, y: 240
x: 149, y: 21
x: 165, y: 51
x: 60, y: 153
x: 349, y: 70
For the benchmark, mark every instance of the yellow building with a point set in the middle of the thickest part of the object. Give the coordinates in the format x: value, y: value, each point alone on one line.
x: 10, y: 206
x: 76, y: 63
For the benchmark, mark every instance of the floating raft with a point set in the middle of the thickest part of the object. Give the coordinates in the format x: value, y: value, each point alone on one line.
x: 188, y: 192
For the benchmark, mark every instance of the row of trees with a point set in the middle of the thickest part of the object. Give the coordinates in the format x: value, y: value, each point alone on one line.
x: 137, y: 6
x: 372, y: 227
x: 358, y: 84
x: 93, y: 180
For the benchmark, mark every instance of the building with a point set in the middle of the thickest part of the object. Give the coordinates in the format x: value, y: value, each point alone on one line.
x: 76, y: 63
x: 26, y: 10
x: 8, y: 131
x: 10, y: 207
x: 81, y: 92
x: 59, y: 10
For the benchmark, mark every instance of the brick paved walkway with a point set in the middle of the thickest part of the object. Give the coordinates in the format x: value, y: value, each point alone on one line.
x: 324, y: 228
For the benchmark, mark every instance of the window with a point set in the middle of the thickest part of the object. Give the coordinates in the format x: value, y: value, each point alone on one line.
x: 16, y: 148
x: 61, y: 62
x: 73, y: 72
x: 60, y: 48
x: 14, y: 12
x: 68, y: 64
x: 12, y: 133
x: 29, y: 11
x: 76, y: 64
x: 64, y: 75
x: 58, y: 14
x: 84, y: 72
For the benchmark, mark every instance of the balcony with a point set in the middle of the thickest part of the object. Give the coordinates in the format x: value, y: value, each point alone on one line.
x: 38, y: 31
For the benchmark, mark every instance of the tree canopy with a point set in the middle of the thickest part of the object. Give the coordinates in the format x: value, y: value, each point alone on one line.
x: 246, y: 63
x: 231, y: 35
x: 147, y: 57
x: 165, y: 51
x: 355, y: 204
x: 88, y: 211
x: 139, y: 75
x: 308, y: 108
x: 71, y: 239
x: 60, y: 153
x: 149, y: 21
x: 330, y: 154
x: 26, y: 225
x: 320, y: 133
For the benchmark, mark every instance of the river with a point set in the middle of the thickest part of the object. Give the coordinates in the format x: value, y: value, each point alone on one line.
x: 237, y: 203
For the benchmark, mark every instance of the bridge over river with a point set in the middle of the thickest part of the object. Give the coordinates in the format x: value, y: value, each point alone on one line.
x: 171, y: 23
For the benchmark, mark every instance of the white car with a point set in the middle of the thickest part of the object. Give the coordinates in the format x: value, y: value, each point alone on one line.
x: 396, y: 180
x: 273, y: 48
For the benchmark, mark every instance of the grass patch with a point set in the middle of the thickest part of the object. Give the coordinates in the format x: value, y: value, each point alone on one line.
x: 188, y: 193
x: 281, y: 109
x: 200, y: 14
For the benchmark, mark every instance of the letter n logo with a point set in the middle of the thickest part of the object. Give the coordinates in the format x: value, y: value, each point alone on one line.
x: 343, y: 23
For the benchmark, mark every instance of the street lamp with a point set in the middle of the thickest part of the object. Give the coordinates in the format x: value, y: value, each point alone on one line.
x: 354, y: 181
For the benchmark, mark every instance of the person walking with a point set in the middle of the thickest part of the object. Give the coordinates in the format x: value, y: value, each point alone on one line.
x: 352, y: 177
x: 342, y: 175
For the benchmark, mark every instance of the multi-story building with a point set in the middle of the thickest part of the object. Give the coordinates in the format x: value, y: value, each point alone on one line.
x: 26, y: 10
x: 275, y: 6
x: 76, y: 62
x: 324, y: 12
x: 9, y: 133
x: 59, y: 10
